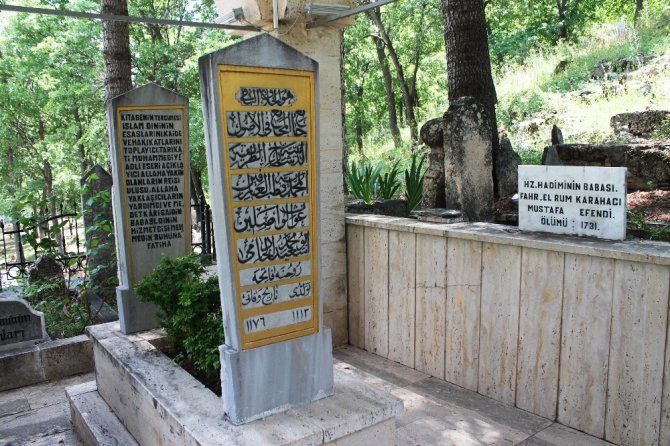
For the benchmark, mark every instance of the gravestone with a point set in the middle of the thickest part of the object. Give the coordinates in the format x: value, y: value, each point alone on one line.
x: 97, y: 211
x: 149, y: 140
x: 260, y: 118
x: 20, y: 325
x: 588, y: 201
x: 468, y: 160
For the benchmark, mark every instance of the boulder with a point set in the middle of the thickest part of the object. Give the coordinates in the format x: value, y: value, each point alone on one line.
x: 641, y: 124
x: 648, y: 164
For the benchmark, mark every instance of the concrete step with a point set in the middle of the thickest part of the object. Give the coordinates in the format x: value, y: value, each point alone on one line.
x: 93, y: 420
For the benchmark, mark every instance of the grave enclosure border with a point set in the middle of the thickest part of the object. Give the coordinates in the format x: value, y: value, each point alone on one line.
x: 568, y: 328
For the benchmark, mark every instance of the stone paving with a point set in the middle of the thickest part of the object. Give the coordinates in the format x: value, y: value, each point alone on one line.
x: 436, y: 413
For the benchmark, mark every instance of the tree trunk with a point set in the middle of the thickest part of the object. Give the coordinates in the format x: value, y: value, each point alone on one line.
x: 116, y: 50
x: 639, y: 6
x: 84, y: 163
x: 563, y: 25
x: 390, y: 94
x: 375, y: 17
x: 468, y: 60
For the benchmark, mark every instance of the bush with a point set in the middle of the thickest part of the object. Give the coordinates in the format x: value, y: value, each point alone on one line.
x: 189, y: 310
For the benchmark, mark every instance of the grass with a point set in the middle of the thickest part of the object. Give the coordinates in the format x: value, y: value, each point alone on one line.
x: 532, y: 98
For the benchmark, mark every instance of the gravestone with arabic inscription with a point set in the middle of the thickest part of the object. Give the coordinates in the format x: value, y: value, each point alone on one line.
x: 260, y: 115
x: 148, y: 129
x: 20, y: 325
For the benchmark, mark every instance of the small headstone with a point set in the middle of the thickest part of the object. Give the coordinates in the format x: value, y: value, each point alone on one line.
x: 97, y: 211
x: 259, y: 99
x: 588, y: 201
x: 507, y: 167
x: 432, y: 134
x: 47, y: 269
x: 556, y: 136
x: 149, y: 139
x: 20, y: 325
x: 468, y: 160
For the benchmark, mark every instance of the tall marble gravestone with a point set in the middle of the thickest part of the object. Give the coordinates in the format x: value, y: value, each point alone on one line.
x: 259, y: 101
x: 149, y: 153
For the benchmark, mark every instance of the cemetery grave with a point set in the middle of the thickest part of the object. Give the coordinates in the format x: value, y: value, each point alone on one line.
x: 328, y: 328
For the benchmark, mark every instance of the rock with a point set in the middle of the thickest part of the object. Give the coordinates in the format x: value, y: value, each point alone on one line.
x: 432, y: 134
x: 393, y: 208
x: 468, y: 160
x: 556, y: 135
x: 648, y: 164
x: 641, y: 124
x: 604, y: 69
x: 561, y: 66
x: 47, y: 269
x: 507, y: 168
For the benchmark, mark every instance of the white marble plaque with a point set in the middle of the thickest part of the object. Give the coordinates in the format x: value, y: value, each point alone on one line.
x: 587, y: 201
x: 279, y: 319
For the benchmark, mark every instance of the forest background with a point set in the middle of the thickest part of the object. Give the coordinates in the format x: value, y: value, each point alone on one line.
x: 543, y: 53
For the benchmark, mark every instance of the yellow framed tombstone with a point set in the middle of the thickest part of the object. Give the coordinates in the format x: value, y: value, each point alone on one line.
x: 259, y: 101
x: 269, y: 151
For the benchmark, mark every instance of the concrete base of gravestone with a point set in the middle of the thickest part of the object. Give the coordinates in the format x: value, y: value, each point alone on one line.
x: 157, y: 402
x: 297, y: 371
x: 138, y: 315
x: 45, y: 362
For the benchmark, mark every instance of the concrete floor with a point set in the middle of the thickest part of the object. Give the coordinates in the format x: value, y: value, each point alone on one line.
x: 436, y: 413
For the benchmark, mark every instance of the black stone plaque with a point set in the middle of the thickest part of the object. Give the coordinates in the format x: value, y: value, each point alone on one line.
x: 20, y: 325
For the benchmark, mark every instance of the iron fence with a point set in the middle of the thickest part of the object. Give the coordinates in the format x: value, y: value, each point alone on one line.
x: 63, y: 227
x: 18, y: 255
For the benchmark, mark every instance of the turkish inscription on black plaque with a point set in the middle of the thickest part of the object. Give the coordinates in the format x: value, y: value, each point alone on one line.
x: 154, y: 165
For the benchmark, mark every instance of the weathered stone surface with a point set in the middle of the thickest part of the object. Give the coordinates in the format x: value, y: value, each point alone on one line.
x: 96, y: 202
x: 46, y: 361
x: 507, y: 165
x: 641, y: 124
x: 468, y: 161
x: 432, y: 134
x: 648, y: 164
x: 394, y: 208
x: 132, y: 378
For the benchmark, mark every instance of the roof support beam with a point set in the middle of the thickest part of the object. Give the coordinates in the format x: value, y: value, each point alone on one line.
x: 332, y: 18
x: 122, y: 18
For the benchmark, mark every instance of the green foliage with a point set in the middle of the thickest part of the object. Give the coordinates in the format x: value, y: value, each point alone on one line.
x: 521, y: 106
x: 362, y: 180
x: 654, y: 232
x: 414, y: 182
x: 389, y: 183
x: 64, y: 315
x: 190, y: 309
x: 663, y: 131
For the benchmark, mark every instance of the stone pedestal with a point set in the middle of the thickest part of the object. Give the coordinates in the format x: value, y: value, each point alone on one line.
x: 139, y: 393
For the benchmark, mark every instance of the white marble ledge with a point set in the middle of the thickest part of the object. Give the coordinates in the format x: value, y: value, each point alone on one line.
x: 631, y: 250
